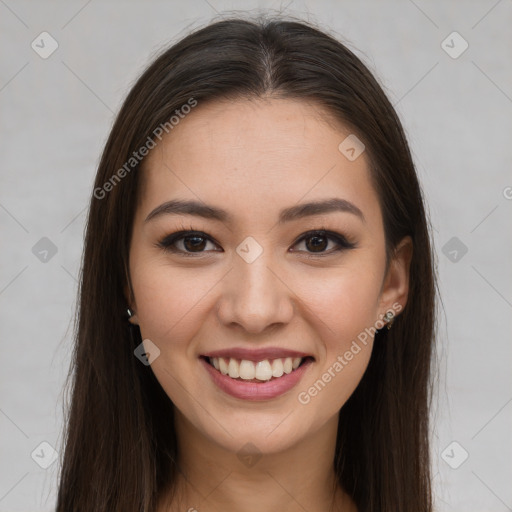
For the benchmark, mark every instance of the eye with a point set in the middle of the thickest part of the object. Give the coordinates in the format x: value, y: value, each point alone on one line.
x: 186, y: 242
x: 316, y: 242
x: 190, y: 242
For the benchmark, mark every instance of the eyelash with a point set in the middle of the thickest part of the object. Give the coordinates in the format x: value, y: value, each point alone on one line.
x: 167, y: 243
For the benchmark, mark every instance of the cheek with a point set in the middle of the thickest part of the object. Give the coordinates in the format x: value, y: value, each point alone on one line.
x: 170, y: 300
x: 345, y: 301
x: 344, y: 311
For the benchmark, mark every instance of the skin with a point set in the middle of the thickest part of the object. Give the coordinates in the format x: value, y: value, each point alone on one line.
x: 254, y: 158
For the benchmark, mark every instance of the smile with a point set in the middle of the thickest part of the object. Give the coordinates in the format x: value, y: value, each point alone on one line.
x: 256, y: 380
x: 260, y: 371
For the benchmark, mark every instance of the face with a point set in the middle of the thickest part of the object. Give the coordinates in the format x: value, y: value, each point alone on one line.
x: 254, y: 282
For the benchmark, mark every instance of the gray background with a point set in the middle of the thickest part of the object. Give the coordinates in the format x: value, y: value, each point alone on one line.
x: 56, y: 114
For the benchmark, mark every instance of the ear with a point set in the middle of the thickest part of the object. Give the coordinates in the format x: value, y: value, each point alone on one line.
x: 130, y: 301
x: 395, y: 287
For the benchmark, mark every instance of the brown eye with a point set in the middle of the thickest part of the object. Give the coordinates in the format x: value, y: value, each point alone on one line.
x: 186, y: 242
x: 190, y: 243
x: 316, y: 242
x: 194, y: 243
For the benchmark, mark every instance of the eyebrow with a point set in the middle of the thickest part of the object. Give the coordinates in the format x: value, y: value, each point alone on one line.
x: 189, y: 207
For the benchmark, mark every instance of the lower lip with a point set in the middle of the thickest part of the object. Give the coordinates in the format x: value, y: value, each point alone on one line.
x: 255, y: 390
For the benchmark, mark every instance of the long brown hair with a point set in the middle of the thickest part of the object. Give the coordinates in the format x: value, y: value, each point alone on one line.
x: 120, y: 445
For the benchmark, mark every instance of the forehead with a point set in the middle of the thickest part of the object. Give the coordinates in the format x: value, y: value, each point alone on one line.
x: 249, y: 156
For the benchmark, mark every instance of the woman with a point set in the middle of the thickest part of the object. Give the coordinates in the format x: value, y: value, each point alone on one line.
x: 257, y: 303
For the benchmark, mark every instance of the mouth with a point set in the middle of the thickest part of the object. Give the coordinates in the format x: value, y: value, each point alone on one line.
x: 266, y: 370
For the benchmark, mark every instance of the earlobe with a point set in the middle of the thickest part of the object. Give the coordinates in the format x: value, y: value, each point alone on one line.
x: 130, y: 311
x: 395, y: 289
x: 132, y: 317
x: 130, y: 299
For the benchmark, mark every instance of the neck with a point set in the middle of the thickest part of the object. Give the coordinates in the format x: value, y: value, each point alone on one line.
x: 296, y: 479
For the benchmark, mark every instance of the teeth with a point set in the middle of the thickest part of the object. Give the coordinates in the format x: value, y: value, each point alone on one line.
x: 247, y: 369
x: 277, y: 367
x: 223, y: 366
x: 262, y: 370
x: 233, y: 369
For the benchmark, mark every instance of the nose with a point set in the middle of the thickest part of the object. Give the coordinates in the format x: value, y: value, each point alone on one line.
x: 255, y: 297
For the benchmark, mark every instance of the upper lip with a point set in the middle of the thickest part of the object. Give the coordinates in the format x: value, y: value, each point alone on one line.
x: 255, y: 355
